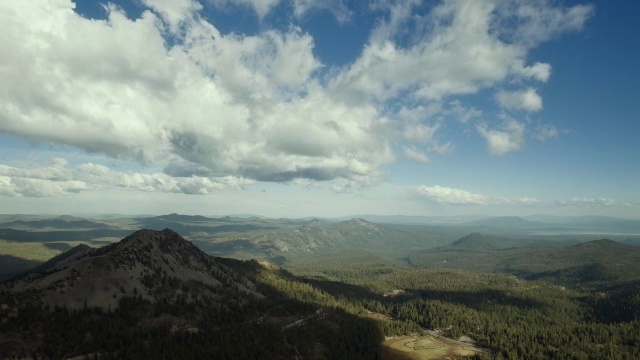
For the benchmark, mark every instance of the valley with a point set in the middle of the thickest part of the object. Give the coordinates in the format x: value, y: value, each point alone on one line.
x: 315, y: 288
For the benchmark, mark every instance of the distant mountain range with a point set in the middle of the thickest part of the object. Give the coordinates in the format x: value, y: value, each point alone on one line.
x: 284, y: 240
x: 593, y: 263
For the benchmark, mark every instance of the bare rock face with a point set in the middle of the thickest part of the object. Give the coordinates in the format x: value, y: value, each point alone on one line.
x: 155, y: 265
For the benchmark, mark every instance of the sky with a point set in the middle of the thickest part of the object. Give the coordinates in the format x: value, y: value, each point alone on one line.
x: 296, y: 108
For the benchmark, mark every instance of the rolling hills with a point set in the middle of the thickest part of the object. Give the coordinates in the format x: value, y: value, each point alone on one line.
x: 156, y: 294
x: 596, y: 262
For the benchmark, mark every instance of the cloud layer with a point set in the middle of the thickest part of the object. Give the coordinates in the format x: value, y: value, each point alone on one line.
x: 60, y: 179
x: 169, y: 88
x: 452, y: 196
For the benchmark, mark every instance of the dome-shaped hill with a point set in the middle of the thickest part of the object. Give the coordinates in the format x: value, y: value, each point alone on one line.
x: 604, y: 244
x: 156, y: 265
x: 476, y: 241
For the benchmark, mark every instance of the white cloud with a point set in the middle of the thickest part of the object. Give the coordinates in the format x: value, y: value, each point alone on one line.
x: 527, y: 200
x: 462, y: 113
x: 538, y: 71
x: 242, y: 106
x: 451, y: 196
x: 415, y: 155
x: 459, y: 56
x: 509, y: 138
x: 587, y: 202
x: 442, y: 149
x: 539, y: 21
x: 447, y: 195
x: 60, y: 179
x: 174, y: 12
x: 420, y: 133
x: 17, y: 187
x: 528, y: 100
x: 210, y: 105
x: 459, y: 48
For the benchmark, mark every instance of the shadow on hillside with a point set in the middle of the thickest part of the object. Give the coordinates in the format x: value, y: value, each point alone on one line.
x: 341, y: 289
x: 232, y: 324
x: 58, y: 246
x: 12, y: 266
x: 344, y: 335
x: 482, y: 300
x: 388, y: 353
x: 613, y: 304
x: 479, y: 300
x: 589, y: 274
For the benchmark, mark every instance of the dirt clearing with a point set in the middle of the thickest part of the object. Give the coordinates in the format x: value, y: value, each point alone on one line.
x: 425, y: 347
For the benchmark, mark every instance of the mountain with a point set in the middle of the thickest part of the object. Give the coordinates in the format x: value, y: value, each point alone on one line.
x: 156, y: 295
x: 505, y: 222
x: 149, y: 264
x: 590, y: 224
x: 416, y: 220
x: 476, y: 241
x: 315, y: 237
x: 593, y: 263
x: 482, y: 241
x: 177, y: 218
x: 61, y: 222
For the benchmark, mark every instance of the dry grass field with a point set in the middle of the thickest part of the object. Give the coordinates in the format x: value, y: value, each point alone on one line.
x: 41, y: 251
x: 426, y: 347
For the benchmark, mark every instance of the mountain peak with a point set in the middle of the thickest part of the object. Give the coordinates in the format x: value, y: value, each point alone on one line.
x: 148, y: 263
x: 358, y: 221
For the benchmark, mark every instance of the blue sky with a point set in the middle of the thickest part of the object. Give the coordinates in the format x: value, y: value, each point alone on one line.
x: 320, y: 108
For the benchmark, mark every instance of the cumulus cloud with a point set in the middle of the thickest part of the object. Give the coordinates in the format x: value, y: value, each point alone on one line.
x: 447, y: 195
x: 538, y: 22
x: 415, y: 155
x: 229, y: 104
x: 203, y: 104
x: 458, y: 50
x: 458, y: 56
x: 60, y: 179
x: 538, y: 71
x: 462, y: 113
x: 509, y: 137
x: 528, y: 100
x: 174, y: 12
x: 451, y: 196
